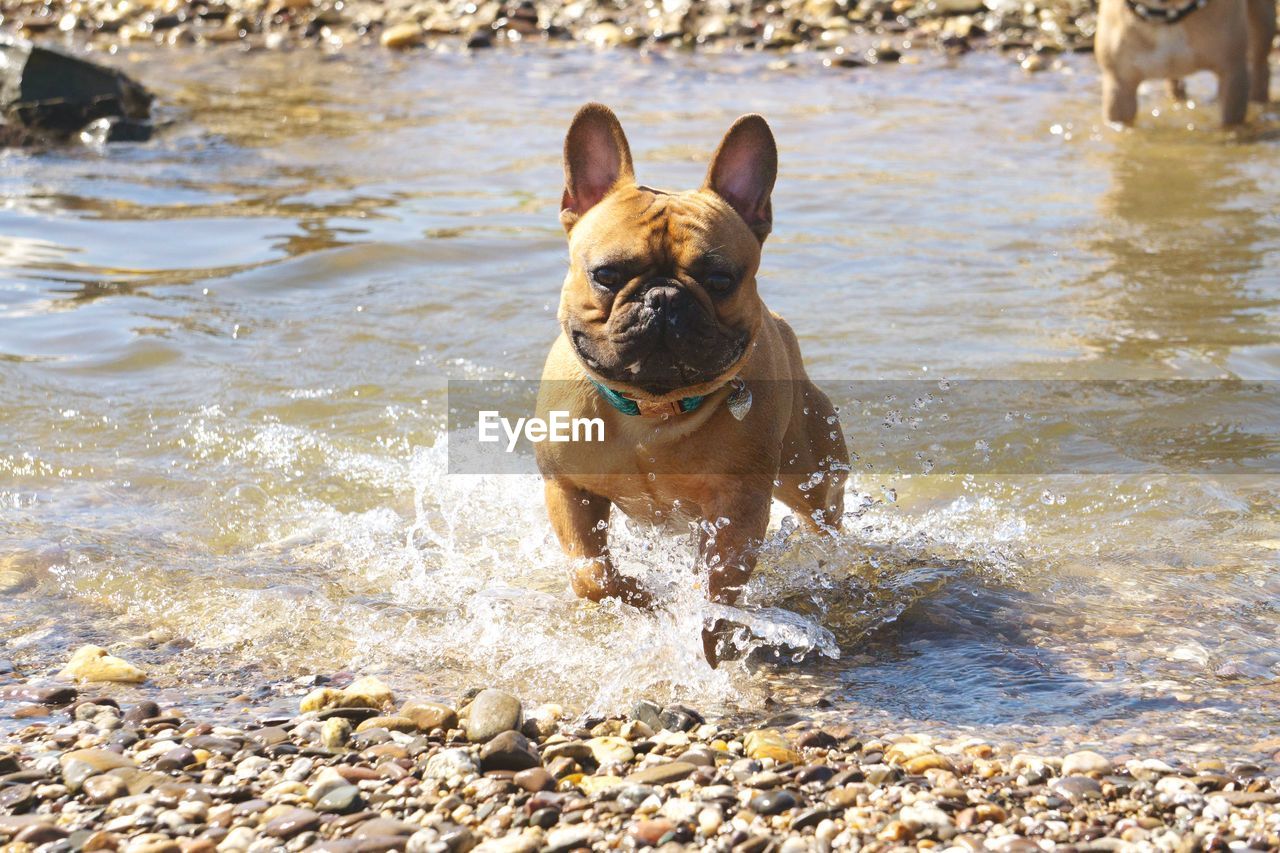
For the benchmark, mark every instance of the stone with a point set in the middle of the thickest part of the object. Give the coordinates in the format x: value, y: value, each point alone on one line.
x: 921, y: 817
x: 428, y: 716
x: 80, y: 764
x: 492, y: 712
x: 931, y: 761
x: 509, y: 750
x: 402, y: 36
x: 650, y: 832
x: 53, y: 94
x: 662, y: 774
x: 105, y: 788
x: 769, y: 743
x: 335, y: 732
x: 17, y: 799
x: 322, y: 699
x: 649, y: 713
x: 773, y: 802
x: 391, y: 724
x: 39, y: 834
x: 92, y: 663
x: 343, y: 799
x: 570, y: 838
x: 534, y: 780
x: 450, y: 763
x: 1086, y: 763
x: 1076, y: 788
x: 176, y: 759
x: 610, y: 750
x: 291, y: 823
x: 39, y: 695
x: 368, y: 692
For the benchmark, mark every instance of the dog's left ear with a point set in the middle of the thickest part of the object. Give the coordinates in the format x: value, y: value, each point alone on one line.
x: 743, y: 171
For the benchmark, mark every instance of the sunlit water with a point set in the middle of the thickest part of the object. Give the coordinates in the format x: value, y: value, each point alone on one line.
x: 224, y: 356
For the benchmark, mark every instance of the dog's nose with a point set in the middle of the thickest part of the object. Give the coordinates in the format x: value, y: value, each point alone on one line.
x: 669, y: 303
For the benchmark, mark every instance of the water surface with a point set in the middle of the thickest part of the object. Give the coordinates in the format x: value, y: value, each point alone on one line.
x: 224, y: 357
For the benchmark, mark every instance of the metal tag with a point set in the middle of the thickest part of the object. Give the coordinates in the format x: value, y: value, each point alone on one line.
x: 739, y: 400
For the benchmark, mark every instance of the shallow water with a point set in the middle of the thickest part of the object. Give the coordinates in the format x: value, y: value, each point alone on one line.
x: 224, y: 357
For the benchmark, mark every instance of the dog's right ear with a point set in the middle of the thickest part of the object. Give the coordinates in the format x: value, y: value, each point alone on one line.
x: 596, y: 159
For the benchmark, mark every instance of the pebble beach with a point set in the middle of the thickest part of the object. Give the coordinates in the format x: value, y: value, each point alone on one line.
x: 843, y: 33
x: 357, y: 769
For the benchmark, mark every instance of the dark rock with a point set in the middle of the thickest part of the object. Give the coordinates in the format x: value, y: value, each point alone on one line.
x: 39, y: 834
x: 810, y: 817
x: 815, y: 773
x: 544, y: 818
x: 816, y: 739
x: 680, y: 718
x: 57, y: 95
x: 509, y: 750
x: 649, y: 713
x: 25, y: 692
x: 17, y: 799
x: 176, y: 759
x: 773, y: 802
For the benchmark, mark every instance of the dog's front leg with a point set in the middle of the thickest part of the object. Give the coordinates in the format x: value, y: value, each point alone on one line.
x: 580, y: 520
x: 729, y: 553
x: 1119, y: 98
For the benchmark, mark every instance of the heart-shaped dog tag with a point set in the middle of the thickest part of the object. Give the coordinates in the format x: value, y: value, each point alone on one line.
x: 739, y: 399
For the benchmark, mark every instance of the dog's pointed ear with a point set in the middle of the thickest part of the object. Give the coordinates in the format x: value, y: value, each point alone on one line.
x: 596, y: 159
x: 743, y: 170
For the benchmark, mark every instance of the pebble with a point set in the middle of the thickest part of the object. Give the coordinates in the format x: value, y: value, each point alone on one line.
x: 450, y: 763
x: 1086, y: 763
x: 428, y: 716
x: 174, y: 785
x: 769, y: 743
x: 292, y: 822
x: 92, y: 663
x: 341, y: 800
x: 773, y: 802
x: 662, y: 774
x: 509, y: 750
x: 105, y: 788
x: 402, y: 36
x: 492, y: 712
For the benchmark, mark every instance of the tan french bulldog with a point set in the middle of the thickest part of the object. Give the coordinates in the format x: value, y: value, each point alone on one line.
x: 707, y: 409
x: 1141, y: 40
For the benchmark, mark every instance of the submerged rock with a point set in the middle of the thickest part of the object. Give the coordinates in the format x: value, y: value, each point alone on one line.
x: 50, y: 95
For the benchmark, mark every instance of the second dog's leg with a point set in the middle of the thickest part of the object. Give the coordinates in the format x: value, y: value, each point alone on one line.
x: 1119, y: 99
x: 580, y: 520
x: 1233, y: 91
x: 1262, y: 32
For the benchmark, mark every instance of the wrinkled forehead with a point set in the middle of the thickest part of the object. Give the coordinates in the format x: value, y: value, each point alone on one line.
x: 659, y: 225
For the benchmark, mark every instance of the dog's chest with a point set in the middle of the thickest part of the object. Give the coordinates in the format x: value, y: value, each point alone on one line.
x: 1166, y: 52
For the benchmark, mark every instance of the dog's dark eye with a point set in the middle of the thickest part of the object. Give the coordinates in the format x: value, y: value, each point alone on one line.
x: 718, y: 282
x: 607, y: 277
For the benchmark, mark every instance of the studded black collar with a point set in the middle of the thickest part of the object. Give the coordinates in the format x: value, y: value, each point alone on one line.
x: 1164, y: 14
